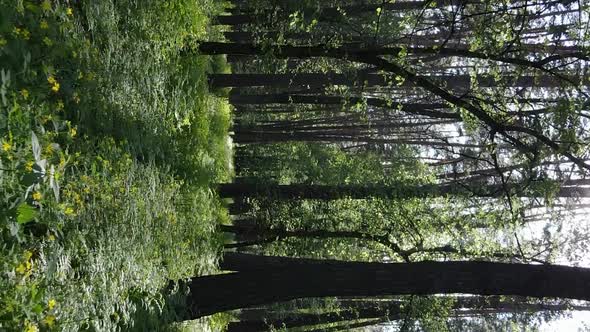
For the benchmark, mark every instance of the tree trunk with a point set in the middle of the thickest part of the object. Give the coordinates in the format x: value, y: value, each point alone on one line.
x: 455, y: 82
x: 263, y: 280
x: 350, y: 52
x: 233, y: 19
x: 426, y: 109
x: 331, y: 192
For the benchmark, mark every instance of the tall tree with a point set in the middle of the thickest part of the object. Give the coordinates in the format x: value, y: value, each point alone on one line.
x: 261, y: 280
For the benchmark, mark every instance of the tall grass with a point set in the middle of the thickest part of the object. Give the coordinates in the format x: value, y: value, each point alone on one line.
x: 110, y: 140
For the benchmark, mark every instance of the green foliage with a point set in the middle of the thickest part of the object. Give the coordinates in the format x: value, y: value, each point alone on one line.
x: 109, y: 142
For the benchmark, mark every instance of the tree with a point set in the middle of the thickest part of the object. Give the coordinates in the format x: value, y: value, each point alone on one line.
x: 258, y: 320
x: 262, y: 280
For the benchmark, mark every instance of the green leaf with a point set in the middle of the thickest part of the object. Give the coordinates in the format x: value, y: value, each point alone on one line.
x: 38, y: 309
x: 25, y: 213
x: 36, y: 146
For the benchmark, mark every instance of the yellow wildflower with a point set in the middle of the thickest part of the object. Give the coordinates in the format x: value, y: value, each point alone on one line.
x: 29, y: 166
x: 16, y: 31
x: 76, y: 97
x: 44, y: 25
x: 54, y: 84
x: 73, y: 132
x: 28, y: 254
x: 24, y: 93
x: 21, y: 269
x: 26, y: 34
x: 49, y: 149
x: 51, y: 303
x: 69, y: 11
x: 60, y: 103
x: 6, y: 146
x: 31, y: 327
x: 69, y: 212
x: 51, y: 237
x: 47, y: 41
x: 3, y: 42
x: 37, y: 196
x: 49, y: 320
x: 46, y: 5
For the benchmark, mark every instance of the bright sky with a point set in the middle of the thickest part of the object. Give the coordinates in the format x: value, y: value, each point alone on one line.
x: 575, y: 323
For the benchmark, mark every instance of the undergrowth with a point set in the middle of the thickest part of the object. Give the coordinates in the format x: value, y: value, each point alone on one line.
x: 110, y: 141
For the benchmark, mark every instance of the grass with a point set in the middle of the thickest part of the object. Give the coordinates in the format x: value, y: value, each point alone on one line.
x: 110, y: 141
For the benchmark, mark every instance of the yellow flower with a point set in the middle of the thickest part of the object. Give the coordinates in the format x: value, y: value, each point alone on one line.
x: 46, y: 5
x: 21, y: 269
x: 37, y: 196
x: 3, y: 42
x: 16, y: 31
x: 55, y: 87
x: 51, y: 237
x: 49, y: 320
x: 6, y: 146
x: 51, y: 80
x: 29, y: 166
x: 28, y: 254
x: 69, y: 212
x: 51, y: 303
x: 49, y: 149
x: 44, y: 25
x: 69, y: 11
x: 26, y: 34
x: 60, y: 104
x: 24, y: 93
x: 76, y: 97
x: 73, y: 132
x: 47, y: 41
x: 31, y: 327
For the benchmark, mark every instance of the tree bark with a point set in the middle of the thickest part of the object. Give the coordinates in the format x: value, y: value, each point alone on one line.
x: 425, y: 109
x: 331, y: 192
x: 263, y: 280
x: 455, y: 82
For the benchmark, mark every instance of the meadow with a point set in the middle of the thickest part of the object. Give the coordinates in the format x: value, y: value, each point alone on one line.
x: 110, y: 142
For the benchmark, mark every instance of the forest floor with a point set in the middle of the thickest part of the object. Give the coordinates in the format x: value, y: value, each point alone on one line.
x: 110, y: 141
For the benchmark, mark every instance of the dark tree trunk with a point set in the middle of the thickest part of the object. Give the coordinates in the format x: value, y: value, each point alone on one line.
x: 262, y: 280
x: 455, y: 82
x: 395, y: 310
x: 336, y: 136
x: 233, y: 19
x: 331, y: 192
x: 431, y: 110
x: 301, y: 320
x: 354, y: 53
